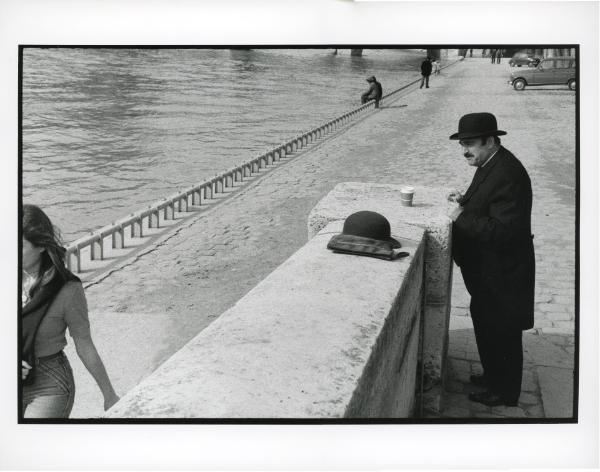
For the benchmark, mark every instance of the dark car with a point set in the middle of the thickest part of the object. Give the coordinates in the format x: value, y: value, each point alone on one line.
x: 550, y: 71
x: 523, y: 59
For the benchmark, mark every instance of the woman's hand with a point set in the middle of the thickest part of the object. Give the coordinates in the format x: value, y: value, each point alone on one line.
x: 91, y: 360
x: 110, y: 401
x: 25, y: 368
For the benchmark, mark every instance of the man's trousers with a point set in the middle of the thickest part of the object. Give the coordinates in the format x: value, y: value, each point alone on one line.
x: 499, y: 342
x: 499, y: 337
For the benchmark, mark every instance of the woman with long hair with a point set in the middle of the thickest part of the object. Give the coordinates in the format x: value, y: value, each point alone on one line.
x: 52, y: 301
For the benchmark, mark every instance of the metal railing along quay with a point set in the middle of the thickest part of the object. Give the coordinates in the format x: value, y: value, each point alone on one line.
x: 205, y: 191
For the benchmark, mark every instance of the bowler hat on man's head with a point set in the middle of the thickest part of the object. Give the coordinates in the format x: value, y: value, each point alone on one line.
x: 371, y: 79
x: 475, y: 125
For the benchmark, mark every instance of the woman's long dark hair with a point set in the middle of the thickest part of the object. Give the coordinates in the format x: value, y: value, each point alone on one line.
x: 39, y: 231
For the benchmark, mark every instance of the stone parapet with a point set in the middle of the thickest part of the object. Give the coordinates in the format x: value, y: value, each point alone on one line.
x: 325, y: 335
x: 430, y: 211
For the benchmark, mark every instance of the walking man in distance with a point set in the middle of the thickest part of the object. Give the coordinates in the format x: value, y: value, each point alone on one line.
x: 375, y: 92
x: 425, y: 72
x: 493, y: 246
x: 498, y: 56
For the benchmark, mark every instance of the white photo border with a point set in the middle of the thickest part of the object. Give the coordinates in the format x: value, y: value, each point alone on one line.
x: 312, y: 22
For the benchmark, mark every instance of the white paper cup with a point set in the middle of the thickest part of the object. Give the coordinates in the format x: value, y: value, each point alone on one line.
x: 406, y: 196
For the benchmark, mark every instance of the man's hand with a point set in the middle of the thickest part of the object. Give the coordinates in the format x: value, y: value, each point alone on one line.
x: 457, y: 211
x: 25, y: 368
x: 454, y: 196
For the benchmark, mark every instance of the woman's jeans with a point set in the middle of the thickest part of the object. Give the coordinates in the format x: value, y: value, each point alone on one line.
x: 52, y: 392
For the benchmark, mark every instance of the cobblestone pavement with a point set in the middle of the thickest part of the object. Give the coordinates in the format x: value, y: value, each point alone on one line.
x: 144, y: 312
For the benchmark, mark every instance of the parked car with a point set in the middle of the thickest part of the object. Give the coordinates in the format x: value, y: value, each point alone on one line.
x: 523, y: 59
x: 550, y: 71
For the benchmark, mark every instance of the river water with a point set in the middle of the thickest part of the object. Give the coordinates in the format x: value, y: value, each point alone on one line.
x: 109, y: 131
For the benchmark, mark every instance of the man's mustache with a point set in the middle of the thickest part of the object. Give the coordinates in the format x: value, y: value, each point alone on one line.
x: 468, y: 154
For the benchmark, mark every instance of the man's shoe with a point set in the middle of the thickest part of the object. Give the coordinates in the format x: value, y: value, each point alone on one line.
x: 490, y: 399
x: 478, y: 380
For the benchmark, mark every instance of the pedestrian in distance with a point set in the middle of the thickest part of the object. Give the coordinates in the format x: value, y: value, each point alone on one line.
x: 470, y: 53
x: 52, y: 300
x: 435, y: 67
x: 493, y: 246
x: 493, y: 55
x: 498, y: 55
x: 375, y: 92
x: 425, y: 72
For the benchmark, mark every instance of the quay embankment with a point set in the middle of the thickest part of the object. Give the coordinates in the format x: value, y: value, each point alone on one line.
x: 149, y: 308
x: 96, y: 254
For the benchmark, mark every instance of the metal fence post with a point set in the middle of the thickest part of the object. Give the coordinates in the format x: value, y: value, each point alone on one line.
x: 78, y: 255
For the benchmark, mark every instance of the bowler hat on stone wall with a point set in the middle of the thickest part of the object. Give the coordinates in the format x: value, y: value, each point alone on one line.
x: 475, y: 125
x: 369, y: 224
x: 366, y: 233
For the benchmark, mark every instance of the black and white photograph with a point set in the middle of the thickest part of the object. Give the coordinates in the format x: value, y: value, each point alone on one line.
x: 202, y: 298
x: 335, y: 233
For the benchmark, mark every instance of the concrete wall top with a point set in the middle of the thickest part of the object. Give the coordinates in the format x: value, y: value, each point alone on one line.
x: 430, y: 208
x: 295, y: 346
x: 430, y: 211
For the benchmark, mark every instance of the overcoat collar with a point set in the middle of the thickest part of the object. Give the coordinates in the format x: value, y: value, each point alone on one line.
x: 481, y: 174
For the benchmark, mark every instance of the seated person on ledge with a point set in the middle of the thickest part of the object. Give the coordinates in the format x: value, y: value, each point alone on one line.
x: 375, y: 92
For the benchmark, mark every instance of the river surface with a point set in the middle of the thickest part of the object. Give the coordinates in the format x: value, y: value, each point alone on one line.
x: 109, y: 131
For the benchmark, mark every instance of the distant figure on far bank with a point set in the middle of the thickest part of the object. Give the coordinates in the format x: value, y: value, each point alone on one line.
x: 493, y: 55
x: 375, y: 92
x: 425, y: 72
x: 498, y: 55
x: 435, y: 67
x: 470, y: 53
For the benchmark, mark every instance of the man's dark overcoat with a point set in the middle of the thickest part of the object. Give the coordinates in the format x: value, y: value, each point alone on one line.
x: 426, y: 67
x: 493, y: 244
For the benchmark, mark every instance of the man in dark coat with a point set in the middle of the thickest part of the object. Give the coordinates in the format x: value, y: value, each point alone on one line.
x: 498, y: 56
x: 493, y: 246
x: 375, y: 92
x: 425, y: 72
